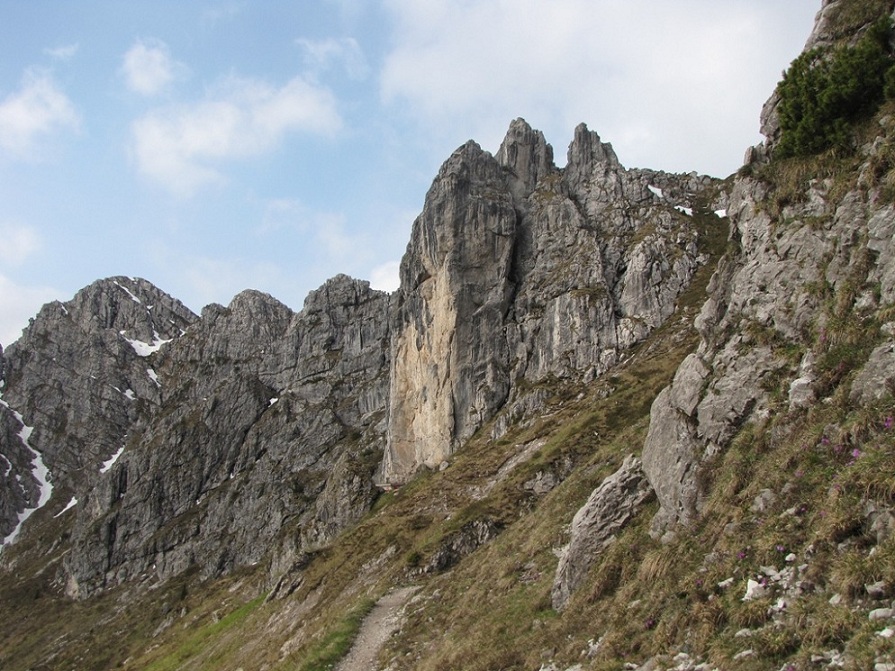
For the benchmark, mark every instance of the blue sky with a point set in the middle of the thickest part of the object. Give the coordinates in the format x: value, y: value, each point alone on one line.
x: 214, y: 146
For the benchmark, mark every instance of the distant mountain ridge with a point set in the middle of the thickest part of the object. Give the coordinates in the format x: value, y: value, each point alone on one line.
x: 573, y: 266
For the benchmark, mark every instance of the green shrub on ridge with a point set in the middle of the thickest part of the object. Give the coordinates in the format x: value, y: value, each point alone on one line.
x: 824, y: 93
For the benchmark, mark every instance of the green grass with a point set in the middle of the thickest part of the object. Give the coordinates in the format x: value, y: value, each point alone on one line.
x: 195, y: 643
x: 336, y: 643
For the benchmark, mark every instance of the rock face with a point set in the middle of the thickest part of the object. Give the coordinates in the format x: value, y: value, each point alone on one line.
x: 517, y: 271
x: 810, y: 270
x: 252, y: 432
x: 269, y: 430
x: 610, y: 507
x: 79, y: 376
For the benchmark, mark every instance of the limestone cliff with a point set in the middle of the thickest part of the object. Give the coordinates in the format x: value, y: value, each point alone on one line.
x: 269, y: 428
x: 78, y: 378
x: 517, y: 270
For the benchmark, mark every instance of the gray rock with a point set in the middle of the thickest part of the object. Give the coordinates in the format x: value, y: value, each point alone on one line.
x: 80, y: 375
x: 877, y: 378
x: 517, y: 270
x: 671, y: 454
x: 256, y: 399
x: 610, y: 507
x: 763, y: 306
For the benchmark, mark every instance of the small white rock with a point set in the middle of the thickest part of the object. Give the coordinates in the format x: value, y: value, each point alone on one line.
x: 754, y: 590
x: 881, y: 614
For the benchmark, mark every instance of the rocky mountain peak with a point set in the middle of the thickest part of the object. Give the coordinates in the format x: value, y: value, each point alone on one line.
x: 587, y: 150
x: 77, y: 378
x: 339, y: 290
x: 526, y: 154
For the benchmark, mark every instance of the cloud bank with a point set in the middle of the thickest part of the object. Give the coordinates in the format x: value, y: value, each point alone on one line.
x: 182, y: 146
x: 664, y: 82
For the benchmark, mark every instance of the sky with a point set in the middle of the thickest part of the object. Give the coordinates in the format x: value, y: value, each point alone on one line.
x: 219, y: 145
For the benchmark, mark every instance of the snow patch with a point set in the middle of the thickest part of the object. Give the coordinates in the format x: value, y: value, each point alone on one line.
x: 153, y: 376
x: 686, y: 210
x: 131, y: 396
x: 128, y: 292
x: 39, y: 471
x: 273, y: 400
x: 144, y: 348
x: 720, y: 213
x: 71, y: 504
x: 656, y: 191
x: 111, y: 461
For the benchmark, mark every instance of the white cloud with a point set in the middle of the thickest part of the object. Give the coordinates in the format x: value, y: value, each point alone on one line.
x: 39, y: 108
x: 19, y: 242
x: 324, y: 54
x: 335, y: 246
x: 18, y: 303
x: 385, y: 277
x: 182, y: 146
x: 148, y: 67
x: 63, y: 53
x: 674, y: 83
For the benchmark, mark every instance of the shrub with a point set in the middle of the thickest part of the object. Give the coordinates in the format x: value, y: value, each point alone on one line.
x: 825, y: 92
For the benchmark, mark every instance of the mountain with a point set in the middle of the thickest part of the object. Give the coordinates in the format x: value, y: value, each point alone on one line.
x: 612, y: 418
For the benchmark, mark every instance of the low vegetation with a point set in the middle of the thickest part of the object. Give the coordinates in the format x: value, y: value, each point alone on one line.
x: 825, y: 92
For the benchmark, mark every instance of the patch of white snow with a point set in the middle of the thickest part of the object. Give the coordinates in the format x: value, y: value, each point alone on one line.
x: 273, y: 400
x: 686, y: 210
x: 71, y: 504
x: 144, y: 348
x: 153, y: 376
x: 129, y: 293
x: 131, y: 396
x: 111, y: 461
x: 656, y: 191
x: 720, y: 213
x: 39, y: 471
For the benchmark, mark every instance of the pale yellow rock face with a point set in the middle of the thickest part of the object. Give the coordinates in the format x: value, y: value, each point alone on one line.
x: 422, y: 410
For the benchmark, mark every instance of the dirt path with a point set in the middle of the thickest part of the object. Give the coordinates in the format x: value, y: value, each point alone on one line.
x: 375, y: 630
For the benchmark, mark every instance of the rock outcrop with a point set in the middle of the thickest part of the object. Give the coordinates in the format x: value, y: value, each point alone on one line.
x: 517, y: 271
x: 608, y: 510
x: 268, y: 432
x: 811, y: 266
